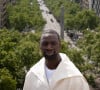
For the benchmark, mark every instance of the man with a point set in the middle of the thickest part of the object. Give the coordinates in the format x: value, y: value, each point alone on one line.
x: 54, y: 71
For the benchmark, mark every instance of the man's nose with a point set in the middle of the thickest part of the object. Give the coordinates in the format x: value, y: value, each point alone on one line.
x: 49, y: 46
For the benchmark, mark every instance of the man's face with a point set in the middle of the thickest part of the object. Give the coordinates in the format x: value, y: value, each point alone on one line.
x: 50, y: 46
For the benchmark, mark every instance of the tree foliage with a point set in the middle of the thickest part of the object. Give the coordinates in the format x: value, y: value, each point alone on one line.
x: 75, y: 18
x: 86, y: 19
x: 90, y: 44
x: 25, y: 14
x: 17, y: 51
x: 6, y: 80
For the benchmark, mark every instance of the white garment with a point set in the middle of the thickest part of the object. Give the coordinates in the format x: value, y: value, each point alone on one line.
x: 65, y: 77
x: 49, y: 73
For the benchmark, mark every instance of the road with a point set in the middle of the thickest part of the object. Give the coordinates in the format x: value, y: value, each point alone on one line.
x: 51, y: 23
x: 49, y: 18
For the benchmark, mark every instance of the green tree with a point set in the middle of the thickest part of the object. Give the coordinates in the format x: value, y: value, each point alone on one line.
x: 6, y: 80
x: 86, y: 19
x: 25, y: 15
x: 8, y: 57
x: 90, y: 46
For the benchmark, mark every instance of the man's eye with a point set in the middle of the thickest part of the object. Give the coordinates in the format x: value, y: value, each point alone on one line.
x: 53, y: 43
x: 49, y: 43
x: 45, y: 43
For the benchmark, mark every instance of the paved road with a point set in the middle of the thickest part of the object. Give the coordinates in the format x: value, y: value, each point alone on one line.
x: 47, y: 15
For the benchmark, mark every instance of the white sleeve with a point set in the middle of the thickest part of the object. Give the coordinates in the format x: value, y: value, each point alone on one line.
x: 29, y: 82
x: 78, y: 83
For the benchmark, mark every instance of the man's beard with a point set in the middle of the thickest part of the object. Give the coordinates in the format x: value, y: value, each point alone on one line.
x: 50, y: 57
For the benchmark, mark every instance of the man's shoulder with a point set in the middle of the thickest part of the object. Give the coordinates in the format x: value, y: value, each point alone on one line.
x: 37, y: 66
x: 69, y: 66
x: 64, y: 57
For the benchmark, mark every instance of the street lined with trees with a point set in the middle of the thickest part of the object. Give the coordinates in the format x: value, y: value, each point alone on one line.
x: 20, y: 50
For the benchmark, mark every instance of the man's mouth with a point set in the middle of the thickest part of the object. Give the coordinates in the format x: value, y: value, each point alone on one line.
x: 49, y: 52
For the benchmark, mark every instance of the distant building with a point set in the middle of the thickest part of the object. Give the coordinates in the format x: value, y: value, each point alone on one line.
x: 3, y: 14
x: 77, y: 1
x: 84, y: 4
x: 92, y: 5
x: 12, y: 1
x: 95, y: 4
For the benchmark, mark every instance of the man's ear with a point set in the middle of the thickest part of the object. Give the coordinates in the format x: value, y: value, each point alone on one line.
x: 39, y: 45
x: 59, y: 45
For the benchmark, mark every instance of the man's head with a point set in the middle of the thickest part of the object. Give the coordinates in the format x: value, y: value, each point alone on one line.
x: 50, y: 44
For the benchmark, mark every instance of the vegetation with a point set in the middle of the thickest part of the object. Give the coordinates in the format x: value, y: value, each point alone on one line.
x: 74, y: 17
x: 19, y: 51
x: 25, y: 14
x: 90, y: 45
x: 6, y: 80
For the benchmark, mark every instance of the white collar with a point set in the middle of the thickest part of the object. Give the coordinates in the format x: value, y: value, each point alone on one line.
x: 65, y: 69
